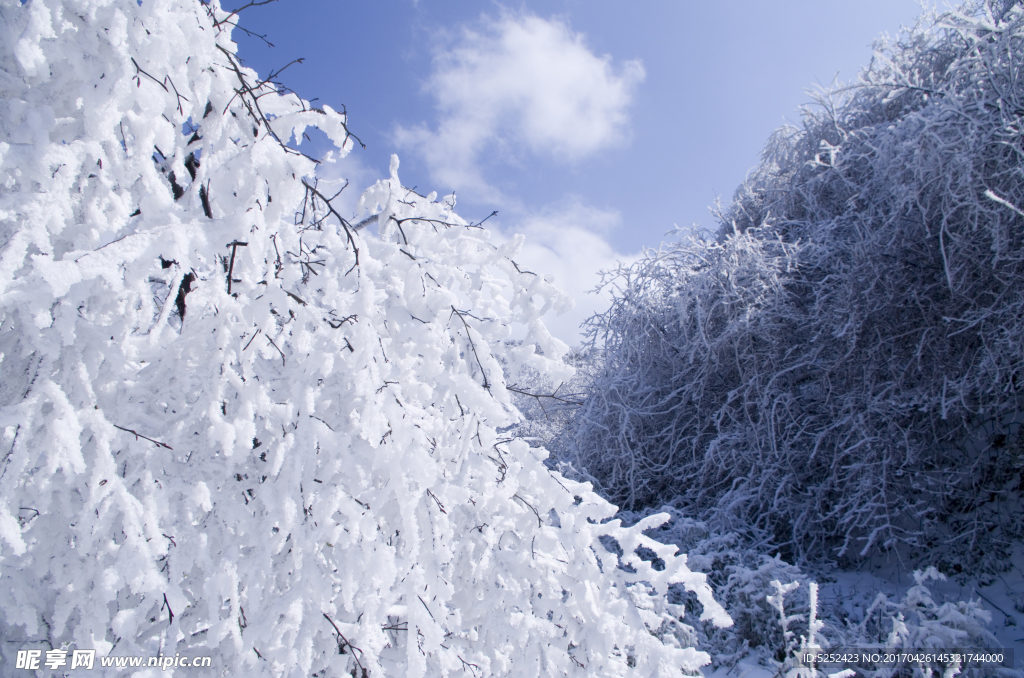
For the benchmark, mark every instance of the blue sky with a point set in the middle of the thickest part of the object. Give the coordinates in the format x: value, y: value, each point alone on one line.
x: 594, y: 127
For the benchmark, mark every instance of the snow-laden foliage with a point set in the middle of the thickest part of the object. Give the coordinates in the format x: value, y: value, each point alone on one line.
x: 915, y: 624
x: 237, y: 425
x: 777, y: 608
x: 842, y: 365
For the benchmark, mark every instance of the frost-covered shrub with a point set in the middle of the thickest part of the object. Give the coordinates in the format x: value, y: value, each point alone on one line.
x: 740, y: 574
x: 822, y: 367
x: 917, y: 621
x: 914, y: 623
x: 777, y: 608
x: 236, y: 424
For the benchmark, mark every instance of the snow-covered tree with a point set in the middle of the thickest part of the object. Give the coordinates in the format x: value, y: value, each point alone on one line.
x: 547, y: 401
x: 842, y: 365
x: 237, y: 424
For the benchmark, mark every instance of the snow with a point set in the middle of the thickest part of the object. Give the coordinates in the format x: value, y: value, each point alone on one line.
x: 235, y: 424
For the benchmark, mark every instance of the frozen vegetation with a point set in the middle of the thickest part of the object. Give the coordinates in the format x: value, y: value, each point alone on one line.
x: 841, y: 365
x: 835, y: 375
x: 237, y: 423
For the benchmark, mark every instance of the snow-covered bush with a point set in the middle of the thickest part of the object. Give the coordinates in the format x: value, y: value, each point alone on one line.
x: 820, y: 369
x: 236, y: 424
x: 912, y: 624
x: 918, y: 621
x: 777, y: 608
x: 740, y: 573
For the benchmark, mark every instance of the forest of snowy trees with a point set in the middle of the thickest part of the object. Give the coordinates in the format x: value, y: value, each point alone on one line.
x: 237, y: 424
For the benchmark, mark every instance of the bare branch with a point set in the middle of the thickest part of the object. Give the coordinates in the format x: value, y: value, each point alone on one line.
x: 344, y: 646
x: 540, y: 523
x: 254, y: 3
x: 472, y: 345
x: 234, y: 245
x: 139, y: 435
x: 538, y: 396
x: 342, y: 220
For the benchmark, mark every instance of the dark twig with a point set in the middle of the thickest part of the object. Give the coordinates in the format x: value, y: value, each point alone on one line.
x: 386, y: 384
x: 427, y: 608
x: 335, y: 323
x: 478, y: 224
x: 322, y: 422
x: 270, y: 78
x: 306, y: 262
x: 254, y: 3
x: 521, y: 271
x: 251, y: 340
x: 23, y: 521
x: 252, y: 105
x: 340, y: 190
x: 231, y: 268
x: 283, y: 362
x: 436, y: 222
x: 437, y: 501
x: 344, y: 222
x: 343, y: 643
x: 473, y: 667
x: 248, y: 32
x: 487, y: 384
x: 170, y: 614
x: 138, y: 69
x: 139, y: 435
x: 107, y: 245
x: 538, y: 396
x: 1011, y: 621
x: 540, y: 523
x: 500, y: 462
x: 181, y: 111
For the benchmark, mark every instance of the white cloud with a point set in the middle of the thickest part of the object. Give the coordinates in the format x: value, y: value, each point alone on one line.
x: 567, y: 243
x: 520, y: 83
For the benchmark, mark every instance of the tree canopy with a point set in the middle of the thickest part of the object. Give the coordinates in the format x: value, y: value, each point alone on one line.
x: 238, y: 423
